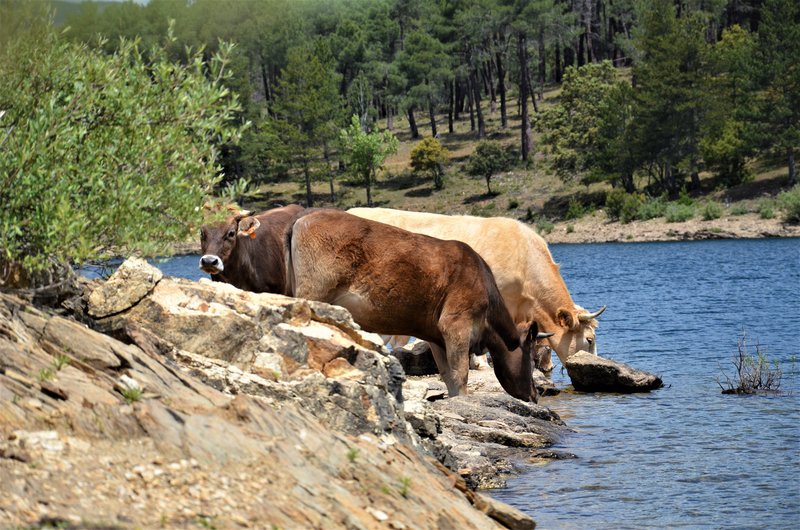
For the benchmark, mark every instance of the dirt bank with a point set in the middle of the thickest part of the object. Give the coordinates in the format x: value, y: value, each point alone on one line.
x: 596, y: 228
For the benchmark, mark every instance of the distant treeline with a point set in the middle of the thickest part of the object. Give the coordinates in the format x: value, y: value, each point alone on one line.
x: 707, y: 84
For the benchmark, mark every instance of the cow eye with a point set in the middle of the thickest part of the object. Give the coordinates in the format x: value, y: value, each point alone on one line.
x: 231, y: 234
x: 590, y: 340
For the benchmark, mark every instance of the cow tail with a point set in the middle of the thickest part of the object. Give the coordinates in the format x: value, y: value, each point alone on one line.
x: 289, y: 288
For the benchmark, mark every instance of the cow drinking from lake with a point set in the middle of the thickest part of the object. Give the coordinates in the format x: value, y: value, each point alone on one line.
x: 526, y: 274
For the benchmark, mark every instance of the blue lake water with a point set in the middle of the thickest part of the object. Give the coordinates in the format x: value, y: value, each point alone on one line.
x: 685, y: 455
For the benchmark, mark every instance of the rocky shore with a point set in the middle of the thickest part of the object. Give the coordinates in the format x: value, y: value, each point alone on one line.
x: 160, y: 402
x: 596, y: 228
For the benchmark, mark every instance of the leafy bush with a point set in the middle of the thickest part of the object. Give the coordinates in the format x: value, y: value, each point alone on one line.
x: 712, y: 210
x: 766, y: 209
x: 652, y: 208
x: 677, y: 212
x: 105, y: 152
x: 430, y: 156
x: 544, y: 227
x: 790, y: 202
x: 575, y: 210
x: 489, y: 159
x: 623, y: 206
x: 739, y: 209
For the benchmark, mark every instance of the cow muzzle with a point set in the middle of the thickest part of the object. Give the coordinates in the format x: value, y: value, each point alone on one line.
x: 211, y: 264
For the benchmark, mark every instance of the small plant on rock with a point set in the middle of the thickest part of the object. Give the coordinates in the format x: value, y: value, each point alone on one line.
x: 405, y: 486
x: 60, y: 361
x: 352, y: 454
x: 131, y: 394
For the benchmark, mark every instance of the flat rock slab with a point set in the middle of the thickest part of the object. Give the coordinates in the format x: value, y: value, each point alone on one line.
x: 591, y: 373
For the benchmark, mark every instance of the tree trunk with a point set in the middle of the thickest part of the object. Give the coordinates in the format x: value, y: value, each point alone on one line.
x: 501, y: 89
x: 557, y: 73
x: 451, y: 103
x: 309, y: 194
x: 432, y: 114
x: 792, y: 166
x: 532, y: 90
x: 488, y: 186
x: 542, y: 64
x: 389, y: 118
x: 412, y: 123
x: 525, y: 128
x: 469, y: 103
x: 476, y: 89
x: 368, y: 182
x: 489, y: 70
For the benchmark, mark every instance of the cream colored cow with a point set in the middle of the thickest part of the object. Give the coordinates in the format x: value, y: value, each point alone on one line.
x: 528, y: 278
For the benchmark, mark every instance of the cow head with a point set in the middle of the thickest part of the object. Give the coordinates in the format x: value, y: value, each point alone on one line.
x: 218, y: 241
x: 574, y: 331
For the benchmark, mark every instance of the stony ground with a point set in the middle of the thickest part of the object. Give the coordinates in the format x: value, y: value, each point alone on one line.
x: 596, y: 228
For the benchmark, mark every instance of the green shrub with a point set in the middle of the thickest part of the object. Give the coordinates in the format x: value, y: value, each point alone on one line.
x: 430, y: 156
x: 712, y: 210
x: 790, y: 202
x: 684, y: 199
x: 106, y: 152
x: 623, y: 206
x: 766, y: 209
x: 739, y: 209
x: 513, y: 204
x: 755, y: 373
x: 570, y: 228
x: 652, y: 208
x: 575, y: 210
x: 677, y: 212
x: 544, y: 227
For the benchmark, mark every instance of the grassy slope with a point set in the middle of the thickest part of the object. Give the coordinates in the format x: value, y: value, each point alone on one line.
x: 535, y: 188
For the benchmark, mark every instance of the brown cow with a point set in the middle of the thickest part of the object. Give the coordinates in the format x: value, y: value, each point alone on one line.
x: 249, y: 257
x: 397, y: 282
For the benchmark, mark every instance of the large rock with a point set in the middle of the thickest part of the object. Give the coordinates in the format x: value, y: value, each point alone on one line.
x: 592, y: 373
x: 97, y: 433
x: 131, y: 282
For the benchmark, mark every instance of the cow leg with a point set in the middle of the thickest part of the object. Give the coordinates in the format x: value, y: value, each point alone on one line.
x: 453, y: 364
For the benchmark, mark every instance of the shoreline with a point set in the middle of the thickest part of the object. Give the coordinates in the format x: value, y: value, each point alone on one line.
x: 596, y: 228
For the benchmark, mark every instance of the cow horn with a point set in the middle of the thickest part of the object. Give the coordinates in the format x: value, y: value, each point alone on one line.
x: 586, y: 317
x: 543, y: 335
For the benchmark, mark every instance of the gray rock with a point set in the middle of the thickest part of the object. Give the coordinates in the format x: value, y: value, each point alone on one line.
x: 129, y: 284
x: 591, y: 373
x: 416, y: 358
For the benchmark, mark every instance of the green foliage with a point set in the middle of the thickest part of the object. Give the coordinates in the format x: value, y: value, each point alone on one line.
x: 790, y: 202
x: 365, y: 152
x: 544, y: 227
x: 131, y: 394
x: 570, y: 228
x: 586, y: 129
x: 766, y: 209
x: 726, y: 135
x: 105, y: 153
x: 623, y: 206
x: 575, y: 210
x: 778, y: 100
x: 677, y: 212
x: 46, y: 374
x: 60, y: 361
x: 712, y: 210
x: 308, y: 111
x: 352, y: 454
x: 430, y: 156
x: 652, y: 208
x: 488, y: 159
x: 405, y: 486
x: 739, y: 209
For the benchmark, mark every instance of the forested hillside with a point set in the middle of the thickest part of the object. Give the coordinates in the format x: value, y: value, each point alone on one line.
x: 654, y: 92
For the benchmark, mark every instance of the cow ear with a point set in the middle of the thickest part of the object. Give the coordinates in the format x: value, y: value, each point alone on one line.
x: 565, y: 318
x: 248, y: 226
